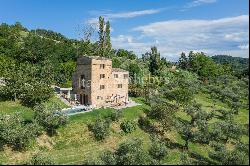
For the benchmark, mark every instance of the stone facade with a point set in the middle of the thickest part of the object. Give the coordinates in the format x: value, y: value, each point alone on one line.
x: 97, y: 83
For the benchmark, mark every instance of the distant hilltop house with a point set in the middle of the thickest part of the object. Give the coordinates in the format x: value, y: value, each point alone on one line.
x: 96, y: 83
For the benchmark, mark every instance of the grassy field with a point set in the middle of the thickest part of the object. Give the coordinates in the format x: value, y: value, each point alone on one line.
x: 10, y: 107
x: 74, y: 142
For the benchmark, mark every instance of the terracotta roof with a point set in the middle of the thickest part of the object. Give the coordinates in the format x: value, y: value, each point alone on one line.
x: 118, y: 70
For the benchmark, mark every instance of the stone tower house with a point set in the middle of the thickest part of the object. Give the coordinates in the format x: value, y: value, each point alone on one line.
x: 97, y: 83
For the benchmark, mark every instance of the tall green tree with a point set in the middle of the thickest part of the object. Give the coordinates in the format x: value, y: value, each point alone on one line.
x: 204, y: 66
x: 104, y: 37
x: 183, y: 61
x: 181, y: 87
x: 108, y: 45
x: 101, y: 35
x: 125, y: 54
x: 35, y: 49
x: 155, y: 64
x: 29, y: 83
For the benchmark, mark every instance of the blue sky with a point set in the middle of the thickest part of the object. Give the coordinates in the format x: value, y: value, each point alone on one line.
x: 211, y: 26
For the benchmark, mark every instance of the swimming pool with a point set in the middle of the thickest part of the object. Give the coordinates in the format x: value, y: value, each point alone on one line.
x: 76, y: 110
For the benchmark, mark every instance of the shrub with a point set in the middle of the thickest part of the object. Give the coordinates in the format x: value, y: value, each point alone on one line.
x: 225, y: 156
x: 14, y: 132
x: 145, y: 124
x: 38, y: 159
x: 128, y: 126
x: 91, y: 161
x: 50, y: 118
x: 158, y: 149
x: 100, y: 129
x: 185, y: 159
x: 225, y: 130
x: 108, y: 158
x: 131, y: 152
x: 164, y: 113
x: 115, y: 115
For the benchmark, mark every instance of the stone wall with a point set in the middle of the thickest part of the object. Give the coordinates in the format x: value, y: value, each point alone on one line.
x: 83, y: 68
x: 96, y: 81
x: 92, y: 68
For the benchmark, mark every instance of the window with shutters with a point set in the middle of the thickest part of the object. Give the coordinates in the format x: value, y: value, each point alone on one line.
x: 125, y: 76
x: 102, y: 76
x: 102, y: 87
x: 102, y: 66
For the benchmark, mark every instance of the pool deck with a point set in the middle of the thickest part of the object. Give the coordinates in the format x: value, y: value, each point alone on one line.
x: 89, y: 108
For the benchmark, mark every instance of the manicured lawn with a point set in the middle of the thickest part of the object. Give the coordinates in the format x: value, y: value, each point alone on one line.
x: 55, y: 100
x: 90, y: 116
x: 134, y: 112
x: 10, y: 107
x: 129, y: 113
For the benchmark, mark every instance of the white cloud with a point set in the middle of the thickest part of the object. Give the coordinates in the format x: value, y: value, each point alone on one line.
x: 217, y: 36
x: 198, y: 3
x: 110, y: 16
x: 236, y: 36
x: 130, y: 43
x: 131, y: 14
x: 122, y: 38
x: 244, y: 46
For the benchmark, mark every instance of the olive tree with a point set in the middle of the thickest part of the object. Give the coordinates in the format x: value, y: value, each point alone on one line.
x: 164, y: 113
x: 225, y: 130
x: 128, y: 126
x: 131, y: 152
x: 50, y: 117
x: 39, y: 159
x: 225, y: 156
x: 181, y: 87
x: 158, y: 149
x: 197, y: 128
x: 15, y: 133
x: 115, y: 115
x: 100, y: 128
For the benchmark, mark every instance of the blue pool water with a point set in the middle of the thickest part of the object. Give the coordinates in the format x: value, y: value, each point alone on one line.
x: 71, y: 111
